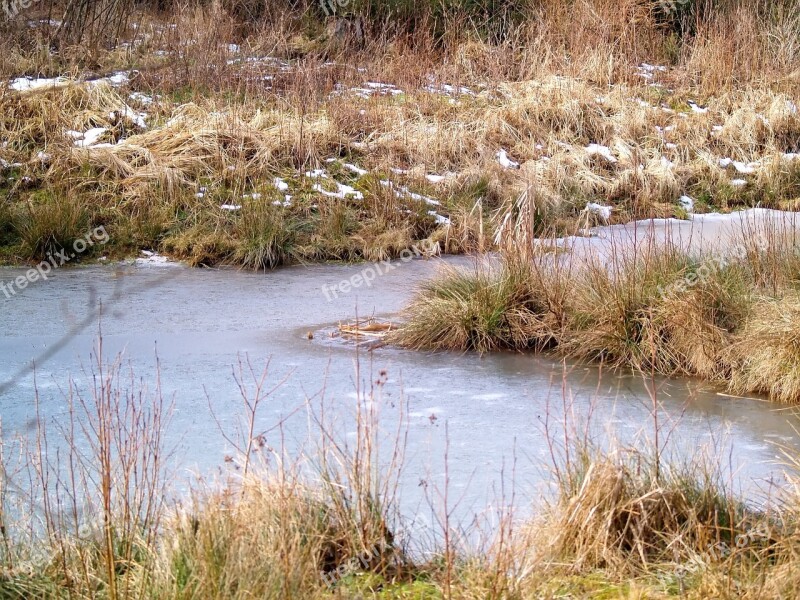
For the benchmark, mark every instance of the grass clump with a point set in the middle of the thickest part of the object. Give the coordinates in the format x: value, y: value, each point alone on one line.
x: 623, y: 511
x: 268, y: 540
x: 767, y: 355
x: 266, y: 236
x: 482, y: 310
x: 662, y: 312
x: 50, y: 223
x: 626, y: 521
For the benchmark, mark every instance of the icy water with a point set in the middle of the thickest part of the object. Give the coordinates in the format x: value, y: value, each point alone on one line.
x: 485, y: 413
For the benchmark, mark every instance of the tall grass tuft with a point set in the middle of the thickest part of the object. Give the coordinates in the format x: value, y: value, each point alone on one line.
x: 488, y: 308
x: 50, y: 223
x: 267, y: 236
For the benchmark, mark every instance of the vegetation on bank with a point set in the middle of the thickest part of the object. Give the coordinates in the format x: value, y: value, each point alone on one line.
x: 229, y: 139
x: 729, y: 317
x: 95, y: 519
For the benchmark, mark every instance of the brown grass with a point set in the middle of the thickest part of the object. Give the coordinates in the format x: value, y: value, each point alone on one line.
x: 544, y: 91
x: 656, y: 308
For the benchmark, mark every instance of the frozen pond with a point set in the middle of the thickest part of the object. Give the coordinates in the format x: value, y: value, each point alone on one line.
x: 490, y: 408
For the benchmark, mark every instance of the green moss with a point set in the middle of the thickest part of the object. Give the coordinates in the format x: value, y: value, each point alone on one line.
x: 374, y: 586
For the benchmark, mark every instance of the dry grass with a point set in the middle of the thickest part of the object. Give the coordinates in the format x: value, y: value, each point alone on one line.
x: 768, y: 355
x: 619, y: 516
x: 656, y: 309
x: 284, y: 101
x: 482, y: 310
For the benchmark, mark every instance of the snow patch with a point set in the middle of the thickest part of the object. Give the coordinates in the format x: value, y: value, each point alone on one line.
x: 696, y: 108
x: 141, y: 98
x: 687, y: 203
x: 30, y: 84
x: 404, y: 192
x: 154, y: 259
x: 505, y: 161
x: 604, y: 212
x: 355, y: 169
x: 744, y: 168
x: 89, y: 138
x: 602, y: 151
x: 342, y: 192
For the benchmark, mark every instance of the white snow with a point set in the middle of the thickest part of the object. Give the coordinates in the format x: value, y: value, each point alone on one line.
x: 602, y: 151
x: 435, y: 178
x: 141, y: 98
x: 687, y: 203
x: 448, y: 90
x: 90, y: 137
x: 4, y: 164
x: 652, y: 68
x: 505, y: 161
x: 153, y: 259
x: 127, y: 113
x: 355, y: 169
x: 696, y: 107
x: 342, y: 192
x: 116, y: 79
x: 369, y: 89
x: 280, y: 184
x: 744, y: 168
x: 29, y: 84
x: 604, y: 212
x: 375, y: 85
x: 440, y: 220
x: 404, y: 192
